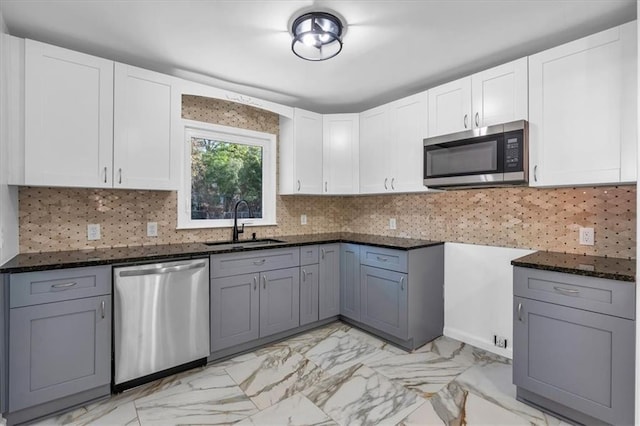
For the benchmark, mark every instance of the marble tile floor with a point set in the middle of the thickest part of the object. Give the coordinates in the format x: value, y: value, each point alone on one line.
x: 333, y: 375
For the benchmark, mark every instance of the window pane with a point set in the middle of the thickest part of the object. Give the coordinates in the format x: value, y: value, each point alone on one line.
x: 223, y: 173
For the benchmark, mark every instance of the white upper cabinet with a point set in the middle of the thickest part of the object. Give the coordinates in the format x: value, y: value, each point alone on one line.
x: 144, y: 156
x: 301, y: 153
x: 341, y: 139
x: 583, y: 110
x: 499, y: 95
x: 68, y: 118
x: 494, y: 96
x: 450, y: 107
x: 391, y: 147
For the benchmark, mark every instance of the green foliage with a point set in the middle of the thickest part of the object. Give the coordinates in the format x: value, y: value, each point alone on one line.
x: 221, y: 174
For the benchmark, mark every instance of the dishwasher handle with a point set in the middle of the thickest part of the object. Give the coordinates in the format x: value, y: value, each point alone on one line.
x: 162, y: 270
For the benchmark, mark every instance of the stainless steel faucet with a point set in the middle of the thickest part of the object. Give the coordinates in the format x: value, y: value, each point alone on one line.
x: 236, y: 231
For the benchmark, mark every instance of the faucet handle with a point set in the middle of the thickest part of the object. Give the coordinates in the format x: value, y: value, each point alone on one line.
x: 241, y: 230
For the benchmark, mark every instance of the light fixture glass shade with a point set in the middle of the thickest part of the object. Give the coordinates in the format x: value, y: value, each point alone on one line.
x: 316, y: 36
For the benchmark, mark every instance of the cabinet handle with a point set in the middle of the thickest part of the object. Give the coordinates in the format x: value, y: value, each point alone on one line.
x: 381, y: 259
x: 264, y: 281
x: 465, y: 120
x: 477, y: 120
x: 304, y: 275
x: 402, y: 283
x: 64, y: 285
x: 119, y: 176
x: 385, y: 183
x: 519, y: 311
x: 392, y: 181
x: 255, y: 283
x: 298, y: 184
x: 325, y: 186
x: 102, y: 308
x: 105, y: 174
x: 322, y: 252
x: 566, y: 291
x: 535, y: 173
x: 260, y: 262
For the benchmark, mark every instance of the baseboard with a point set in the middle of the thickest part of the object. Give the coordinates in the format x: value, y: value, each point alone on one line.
x: 478, y: 343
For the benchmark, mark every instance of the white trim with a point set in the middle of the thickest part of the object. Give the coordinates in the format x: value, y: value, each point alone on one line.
x: 266, y: 140
x: 477, y: 342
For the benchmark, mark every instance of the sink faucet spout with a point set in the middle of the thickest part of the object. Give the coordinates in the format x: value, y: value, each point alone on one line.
x: 236, y: 231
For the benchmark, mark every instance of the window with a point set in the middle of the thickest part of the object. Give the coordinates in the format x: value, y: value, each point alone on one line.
x: 224, y: 165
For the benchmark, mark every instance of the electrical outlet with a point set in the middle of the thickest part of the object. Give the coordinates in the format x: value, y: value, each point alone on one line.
x: 303, y: 219
x: 392, y: 223
x: 587, y: 236
x: 152, y: 229
x: 93, y: 231
x: 500, y: 342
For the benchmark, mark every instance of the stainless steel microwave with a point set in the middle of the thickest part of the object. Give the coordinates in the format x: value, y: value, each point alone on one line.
x: 491, y: 156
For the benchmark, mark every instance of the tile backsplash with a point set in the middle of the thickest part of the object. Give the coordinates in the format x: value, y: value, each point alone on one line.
x: 55, y: 219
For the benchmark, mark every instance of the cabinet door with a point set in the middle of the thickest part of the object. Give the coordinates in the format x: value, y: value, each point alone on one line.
x: 350, y: 281
x: 329, y: 281
x: 450, y: 107
x: 58, y: 349
x: 499, y: 94
x: 307, y: 142
x: 308, y: 294
x: 341, y: 139
x: 68, y: 117
x: 582, y: 110
x: 384, y: 300
x: 408, y: 129
x: 234, y: 310
x: 279, y: 300
x: 576, y: 358
x: 374, y: 150
x: 144, y: 156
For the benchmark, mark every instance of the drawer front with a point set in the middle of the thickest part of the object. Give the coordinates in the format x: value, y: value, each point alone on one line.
x: 308, y: 255
x: 225, y: 265
x: 35, y: 288
x: 394, y: 260
x: 592, y: 294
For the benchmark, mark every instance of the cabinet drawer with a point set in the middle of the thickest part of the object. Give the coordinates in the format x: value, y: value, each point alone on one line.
x: 224, y: 265
x: 308, y: 255
x: 394, y: 260
x: 34, y: 288
x: 609, y: 297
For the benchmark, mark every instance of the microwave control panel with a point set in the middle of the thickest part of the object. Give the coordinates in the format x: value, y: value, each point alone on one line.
x: 513, y: 151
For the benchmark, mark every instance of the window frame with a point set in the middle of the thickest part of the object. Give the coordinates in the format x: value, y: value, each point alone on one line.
x: 232, y: 135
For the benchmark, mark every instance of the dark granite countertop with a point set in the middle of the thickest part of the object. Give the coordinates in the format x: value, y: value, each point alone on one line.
x: 143, y: 254
x: 591, y: 266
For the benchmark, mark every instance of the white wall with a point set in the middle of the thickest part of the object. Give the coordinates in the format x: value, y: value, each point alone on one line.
x: 478, y: 294
x: 8, y: 195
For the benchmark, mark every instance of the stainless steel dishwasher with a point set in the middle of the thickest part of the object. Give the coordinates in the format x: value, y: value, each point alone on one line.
x: 161, y: 320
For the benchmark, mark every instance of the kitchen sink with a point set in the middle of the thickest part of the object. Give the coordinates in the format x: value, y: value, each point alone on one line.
x: 244, y: 244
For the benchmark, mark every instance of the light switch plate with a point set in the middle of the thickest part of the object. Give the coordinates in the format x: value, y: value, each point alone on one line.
x: 303, y: 219
x: 152, y: 229
x: 93, y: 231
x: 392, y: 223
x: 587, y: 236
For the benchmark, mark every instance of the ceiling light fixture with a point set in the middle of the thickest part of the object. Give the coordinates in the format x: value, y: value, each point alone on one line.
x: 316, y: 36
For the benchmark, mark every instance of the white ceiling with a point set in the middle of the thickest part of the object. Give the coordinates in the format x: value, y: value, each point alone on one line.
x: 391, y: 48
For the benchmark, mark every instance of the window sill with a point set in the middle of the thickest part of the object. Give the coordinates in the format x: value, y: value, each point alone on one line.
x: 224, y: 225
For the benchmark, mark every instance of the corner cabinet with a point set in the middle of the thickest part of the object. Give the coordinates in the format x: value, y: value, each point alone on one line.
x: 494, y: 96
x: 341, y: 137
x: 350, y: 281
x: 391, y: 147
x: 574, y: 351
x: 93, y: 123
x: 329, y: 281
x: 301, y: 153
x: 59, y: 340
x: 583, y: 110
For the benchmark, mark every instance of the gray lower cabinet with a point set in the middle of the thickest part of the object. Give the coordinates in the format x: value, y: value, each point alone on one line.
x: 571, y: 354
x: 350, y: 281
x: 329, y: 281
x: 235, y: 307
x: 279, y: 300
x: 309, y: 281
x: 384, y: 302
x: 59, y: 340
